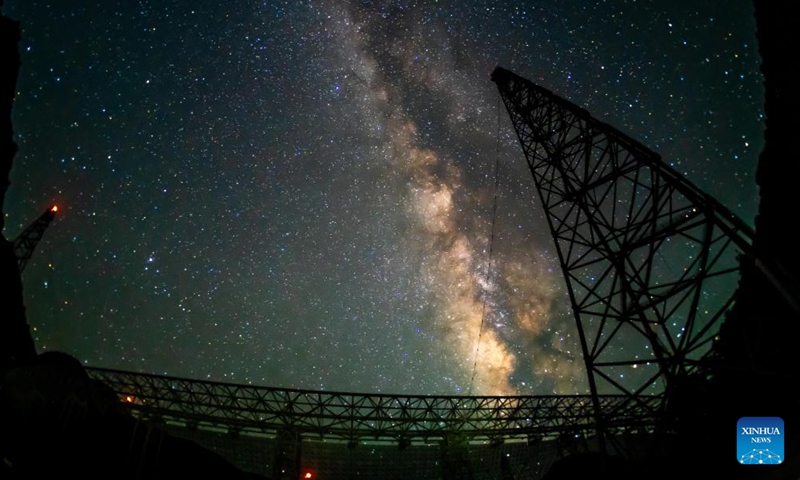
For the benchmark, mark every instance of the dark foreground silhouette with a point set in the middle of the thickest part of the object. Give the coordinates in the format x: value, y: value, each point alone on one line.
x: 55, y: 421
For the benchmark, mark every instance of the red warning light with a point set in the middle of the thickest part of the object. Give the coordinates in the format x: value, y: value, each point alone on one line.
x: 54, y: 208
x: 308, y: 475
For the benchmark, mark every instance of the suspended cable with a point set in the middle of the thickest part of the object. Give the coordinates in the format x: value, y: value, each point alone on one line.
x: 491, y: 250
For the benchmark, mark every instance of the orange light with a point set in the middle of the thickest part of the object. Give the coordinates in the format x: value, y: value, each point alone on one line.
x: 307, y: 475
x: 54, y: 208
x: 129, y: 399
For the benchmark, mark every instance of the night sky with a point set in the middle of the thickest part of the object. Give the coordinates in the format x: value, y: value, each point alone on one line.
x: 300, y: 194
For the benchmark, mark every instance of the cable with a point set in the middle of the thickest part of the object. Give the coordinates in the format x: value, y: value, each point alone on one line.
x: 491, y: 250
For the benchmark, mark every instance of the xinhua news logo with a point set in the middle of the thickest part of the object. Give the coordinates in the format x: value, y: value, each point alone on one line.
x: 759, y: 441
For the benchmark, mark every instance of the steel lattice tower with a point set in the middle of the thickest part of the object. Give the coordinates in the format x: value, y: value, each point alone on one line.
x: 26, y: 242
x: 650, y: 261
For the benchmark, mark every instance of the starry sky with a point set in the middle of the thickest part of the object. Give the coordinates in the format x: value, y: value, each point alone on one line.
x: 303, y: 194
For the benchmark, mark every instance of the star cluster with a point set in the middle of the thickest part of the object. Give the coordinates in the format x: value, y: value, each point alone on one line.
x: 329, y: 194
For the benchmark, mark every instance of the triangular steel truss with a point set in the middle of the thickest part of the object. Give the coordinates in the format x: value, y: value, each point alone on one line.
x: 650, y: 261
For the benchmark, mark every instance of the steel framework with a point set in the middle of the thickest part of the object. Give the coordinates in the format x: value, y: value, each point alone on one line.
x: 650, y: 261
x: 26, y: 242
x: 354, y: 417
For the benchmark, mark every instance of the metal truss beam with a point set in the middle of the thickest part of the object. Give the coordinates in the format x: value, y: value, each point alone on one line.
x: 355, y: 417
x: 650, y: 261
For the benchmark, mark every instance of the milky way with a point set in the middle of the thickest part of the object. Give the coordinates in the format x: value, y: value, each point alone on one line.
x: 329, y: 195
